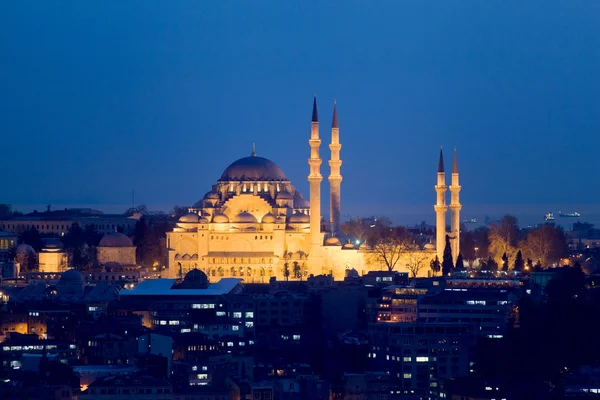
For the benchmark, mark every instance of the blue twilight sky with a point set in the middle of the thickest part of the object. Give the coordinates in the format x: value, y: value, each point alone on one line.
x: 101, y: 97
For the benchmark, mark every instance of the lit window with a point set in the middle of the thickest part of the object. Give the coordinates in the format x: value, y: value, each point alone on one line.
x: 407, y: 359
x: 249, y: 324
x: 203, y: 306
x: 220, y: 313
x: 195, y: 368
x: 249, y: 314
x: 237, y: 314
x: 407, y: 376
x: 229, y: 344
x: 202, y: 376
x: 296, y: 337
x: 242, y: 344
x: 235, y: 328
x: 422, y: 359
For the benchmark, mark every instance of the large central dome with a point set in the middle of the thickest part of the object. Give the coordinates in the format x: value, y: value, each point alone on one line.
x: 253, y: 168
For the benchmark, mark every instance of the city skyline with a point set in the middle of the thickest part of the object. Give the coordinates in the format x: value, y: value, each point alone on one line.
x: 139, y: 99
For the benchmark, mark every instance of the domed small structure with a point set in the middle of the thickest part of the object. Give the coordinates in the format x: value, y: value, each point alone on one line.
x: 115, y: 239
x: 348, y: 246
x: 253, y: 168
x: 195, y: 279
x: 191, y: 218
x: 268, y: 218
x: 332, y: 241
x: 70, y: 284
x: 364, y: 246
x: 429, y: 246
x: 299, y: 218
x: 25, y: 250
x: 203, y: 220
x: 220, y: 218
x: 113, y: 266
x: 300, y: 202
x: 245, y: 218
x: 351, y: 274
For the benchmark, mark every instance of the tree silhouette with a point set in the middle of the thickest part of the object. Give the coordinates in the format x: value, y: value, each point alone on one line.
x: 447, y: 265
x: 492, y: 265
x: 460, y: 264
x: 435, y: 265
x: 519, y: 262
x: 389, y: 245
x: 504, y: 262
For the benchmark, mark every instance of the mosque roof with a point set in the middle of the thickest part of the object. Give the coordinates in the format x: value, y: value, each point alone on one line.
x: 115, y: 239
x: 253, y: 168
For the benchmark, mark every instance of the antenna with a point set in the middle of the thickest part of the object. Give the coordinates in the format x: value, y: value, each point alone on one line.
x: 132, y: 199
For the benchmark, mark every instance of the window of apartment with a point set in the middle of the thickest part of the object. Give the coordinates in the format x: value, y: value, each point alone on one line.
x: 422, y: 359
x: 249, y: 314
x: 237, y: 314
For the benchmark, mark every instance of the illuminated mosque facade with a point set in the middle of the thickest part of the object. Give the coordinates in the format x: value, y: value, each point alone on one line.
x: 255, y: 225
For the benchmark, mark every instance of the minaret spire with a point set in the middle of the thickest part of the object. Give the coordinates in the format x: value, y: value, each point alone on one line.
x: 440, y: 209
x: 455, y: 208
x: 315, y: 178
x: 335, y: 177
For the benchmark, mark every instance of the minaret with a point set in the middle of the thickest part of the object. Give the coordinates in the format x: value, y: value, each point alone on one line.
x: 335, y: 178
x: 440, y: 209
x: 315, y: 179
x: 455, y: 207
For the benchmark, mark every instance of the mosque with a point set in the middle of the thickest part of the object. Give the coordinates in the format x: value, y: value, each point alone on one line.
x: 253, y: 224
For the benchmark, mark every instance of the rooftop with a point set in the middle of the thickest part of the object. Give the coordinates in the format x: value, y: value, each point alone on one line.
x: 165, y: 287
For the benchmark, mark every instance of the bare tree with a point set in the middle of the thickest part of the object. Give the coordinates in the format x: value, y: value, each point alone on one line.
x: 389, y: 245
x: 416, y: 261
x: 545, y: 245
x: 363, y: 229
x: 503, y: 237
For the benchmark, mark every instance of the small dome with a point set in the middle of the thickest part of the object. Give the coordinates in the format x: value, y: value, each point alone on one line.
x: 220, y: 218
x: 268, y: 218
x: 301, y: 202
x: 364, y: 246
x: 348, y: 246
x: 299, y: 218
x: 115, y: 239
x: 25, y: 249
x: 190, y: 218
x: 195, y: 279
x: 71, y: 276
x: 203, y: 220
x: 285, y: 195
x: 332, y: 241
x: 52, y: 244
x: 352, y: 274
x: 245, y: 217
x: 211, y: 196
x: 429, y: 246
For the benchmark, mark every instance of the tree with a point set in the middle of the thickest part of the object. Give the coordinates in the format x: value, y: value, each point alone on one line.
x: 297, y: 271
x: 529, y: 264
x: 150, y: 249
x: 547, y: 244
x: 491, y: 264
x: 504, y: 262
x: 435, y: 265
x: 286, y: 271
x: 416, y: 261
x: 503, y: 237
x: 467, y: 246
x: 76, y: 245
x: 33, y: 238
x: 460, y: 264
x: 519, y: 263
x: 389, y: 245
x: 178, y: 212
x: 365, y: 229
x: 447, y: 265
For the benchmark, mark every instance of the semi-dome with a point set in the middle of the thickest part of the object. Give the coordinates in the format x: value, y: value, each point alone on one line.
x: 429, y: 246
x: 332, y: 241
x: 299, y: 218
x: 284, y: 195
x: 220, y: 218
x: 211, y: 196
x: 253, y: 168
x: 245, y: 217
x: 53, y: 244
x: 203, y: 220
x: 115, y: 239
x: 71, y: 276
x: 24, y: 249
x: 348, y: 246
x: 300, y: 202
x: 190, y: 218
x: 268, y: 218
x: 364, y: 246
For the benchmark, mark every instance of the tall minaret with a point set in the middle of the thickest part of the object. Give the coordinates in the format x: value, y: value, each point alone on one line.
x: 335, y: 178
x: 440, y: 209
x: 315, y: 179
x: 455, y: 207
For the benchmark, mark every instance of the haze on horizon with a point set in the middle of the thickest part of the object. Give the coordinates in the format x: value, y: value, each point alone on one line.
x: 99, y: 98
